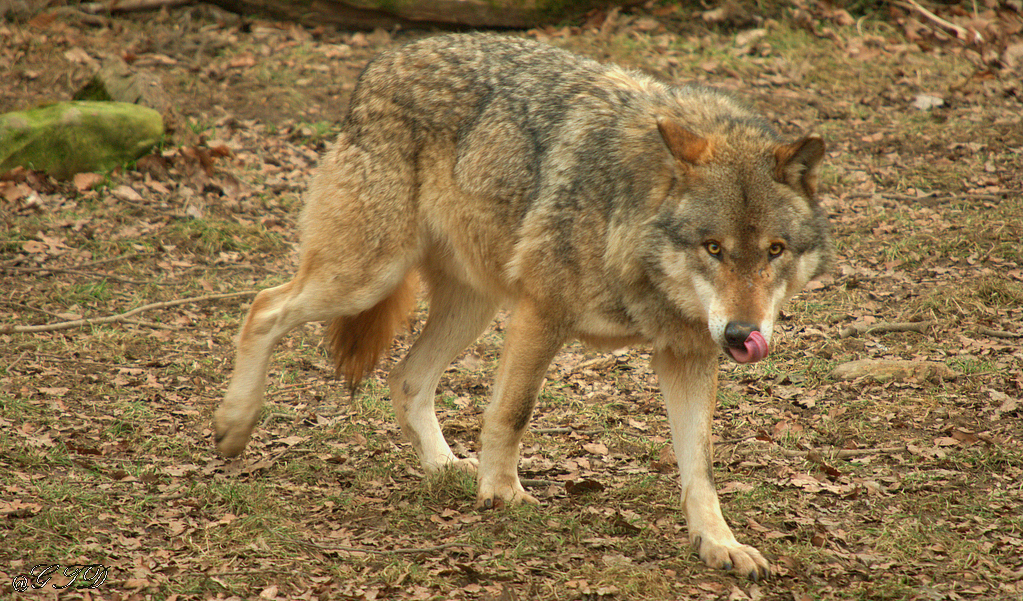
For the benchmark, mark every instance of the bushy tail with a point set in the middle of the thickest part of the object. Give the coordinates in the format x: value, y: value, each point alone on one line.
x: 358, y: 340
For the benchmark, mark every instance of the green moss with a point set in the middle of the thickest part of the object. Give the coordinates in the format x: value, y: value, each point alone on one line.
x: 74, y: 137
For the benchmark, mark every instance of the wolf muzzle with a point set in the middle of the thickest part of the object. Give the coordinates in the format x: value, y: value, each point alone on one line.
x: 745, y: 342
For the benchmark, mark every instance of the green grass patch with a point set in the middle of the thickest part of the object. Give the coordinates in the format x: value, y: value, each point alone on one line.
x: 211, y: 236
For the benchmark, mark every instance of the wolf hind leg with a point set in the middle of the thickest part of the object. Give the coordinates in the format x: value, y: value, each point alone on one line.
x: 458, y: 315
x: 360, y: 239
x: 315, y: 294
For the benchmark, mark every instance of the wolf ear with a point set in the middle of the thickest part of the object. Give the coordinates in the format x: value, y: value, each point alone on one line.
x: 684, y: 144
x: 799, y: 163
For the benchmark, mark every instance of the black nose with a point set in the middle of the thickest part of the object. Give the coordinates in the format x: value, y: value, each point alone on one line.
x: 736, y: 333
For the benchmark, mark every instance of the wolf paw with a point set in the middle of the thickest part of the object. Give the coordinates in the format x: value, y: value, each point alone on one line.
x: 743, y: 559
x: 230, y: 436
x: 496, y: 497
x: 469, y: 466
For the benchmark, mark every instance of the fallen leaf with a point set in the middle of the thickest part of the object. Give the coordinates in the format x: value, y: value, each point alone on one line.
x: 87, y: 181
x: 925, y: 102
x: 33, y: 247
x: 582, y: 487
x: 126, y: 193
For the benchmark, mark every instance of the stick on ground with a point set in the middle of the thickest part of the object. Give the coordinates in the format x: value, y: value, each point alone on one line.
x: 858, y: 330
x: 80, y: 323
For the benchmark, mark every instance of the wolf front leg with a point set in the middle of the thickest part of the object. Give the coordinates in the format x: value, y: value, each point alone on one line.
x: 689, y: 386
x: 530, y: 343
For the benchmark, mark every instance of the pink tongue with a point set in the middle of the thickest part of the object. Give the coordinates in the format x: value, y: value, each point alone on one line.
x: 756, y: 349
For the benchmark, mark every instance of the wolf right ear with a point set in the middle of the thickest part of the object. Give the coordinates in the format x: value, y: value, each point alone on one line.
x: 684, y: 144
x: 799, y: 163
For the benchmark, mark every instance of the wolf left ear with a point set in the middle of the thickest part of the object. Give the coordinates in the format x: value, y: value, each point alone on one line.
x: 684, y: 145
x: 799, y: 163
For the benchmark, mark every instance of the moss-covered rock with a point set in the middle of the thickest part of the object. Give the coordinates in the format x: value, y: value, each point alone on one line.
x: 368, y: 14
x: 73, y: 137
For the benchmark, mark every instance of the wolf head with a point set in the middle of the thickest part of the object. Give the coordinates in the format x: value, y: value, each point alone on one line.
x: 741, y: 229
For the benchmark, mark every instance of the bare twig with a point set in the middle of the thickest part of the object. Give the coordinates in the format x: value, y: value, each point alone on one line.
x: 831, y: 454
x: 854, y: 330
x: 533, y: 483
x: 36, y: 309
x: 567, y: 431
x: 88, y: 274
x: 174, y: 494
x: 127, y: 6
x: 13, y: 364
x: 108, y: 260
x: 998, y: 333
x: 78, y: 360
x: 79, y: 323
x: 395, y: 551
x: 322, y: 547
x: 731, y: 441
x: 153, y: 325
x: 843, y: 453
x: 933, y: 196
x: 260, y: 570
x: 603, y: 362
x: 961, y: 32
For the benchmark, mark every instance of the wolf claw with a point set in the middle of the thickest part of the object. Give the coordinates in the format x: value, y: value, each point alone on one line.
x: 744, y: 559
x: 489, y: 498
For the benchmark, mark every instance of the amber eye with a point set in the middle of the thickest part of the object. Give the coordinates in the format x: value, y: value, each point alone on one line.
x: 713, y: 248
x: 776, y: 250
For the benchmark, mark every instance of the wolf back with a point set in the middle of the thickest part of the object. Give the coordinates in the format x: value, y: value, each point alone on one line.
x: 563, y: 139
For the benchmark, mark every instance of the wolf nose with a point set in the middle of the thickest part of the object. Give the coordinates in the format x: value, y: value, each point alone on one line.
x: 736, y: 333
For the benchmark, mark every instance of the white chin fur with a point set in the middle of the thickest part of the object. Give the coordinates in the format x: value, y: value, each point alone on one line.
x: 718, y: 318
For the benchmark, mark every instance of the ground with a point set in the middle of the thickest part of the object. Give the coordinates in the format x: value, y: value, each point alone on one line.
x: 905, y: 488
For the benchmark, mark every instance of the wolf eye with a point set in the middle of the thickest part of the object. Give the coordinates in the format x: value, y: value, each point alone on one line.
x: 713, y: 248
x: 776, y: 250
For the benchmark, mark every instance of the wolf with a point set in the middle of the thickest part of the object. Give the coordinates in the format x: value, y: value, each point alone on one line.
x: 594, y: 202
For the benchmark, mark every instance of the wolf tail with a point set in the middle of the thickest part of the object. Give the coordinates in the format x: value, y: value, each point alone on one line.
x: 357, y: 341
